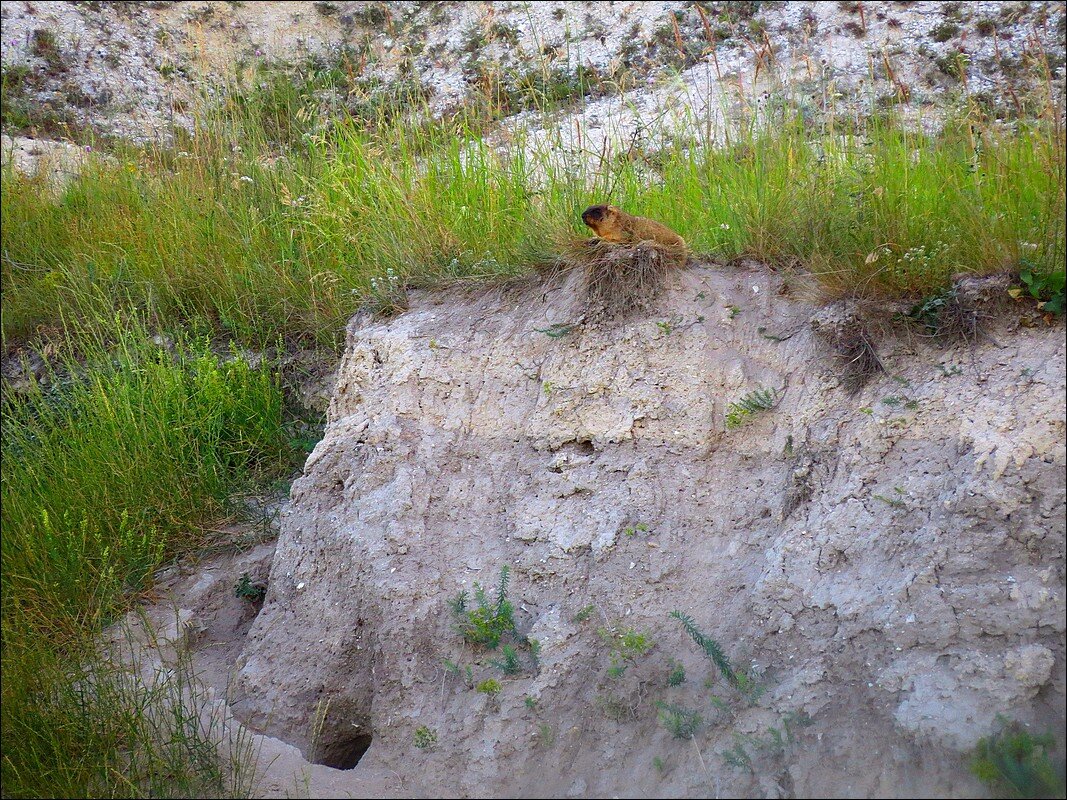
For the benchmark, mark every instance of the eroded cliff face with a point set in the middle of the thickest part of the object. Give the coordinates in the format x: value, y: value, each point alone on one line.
x: 886, y: 568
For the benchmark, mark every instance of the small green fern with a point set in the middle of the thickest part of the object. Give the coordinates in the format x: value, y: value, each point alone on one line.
x: 737, y: 414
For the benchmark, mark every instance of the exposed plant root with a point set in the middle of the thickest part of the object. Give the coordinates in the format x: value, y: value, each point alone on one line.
x: 619, y: 279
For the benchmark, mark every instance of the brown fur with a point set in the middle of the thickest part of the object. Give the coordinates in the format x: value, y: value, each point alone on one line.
x: 612, y: 224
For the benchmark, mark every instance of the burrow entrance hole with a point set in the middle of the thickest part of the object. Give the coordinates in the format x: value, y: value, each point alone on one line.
x: 343, y: 753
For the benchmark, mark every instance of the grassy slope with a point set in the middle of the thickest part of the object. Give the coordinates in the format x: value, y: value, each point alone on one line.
x: 105, y: 477
x: 228, y: 234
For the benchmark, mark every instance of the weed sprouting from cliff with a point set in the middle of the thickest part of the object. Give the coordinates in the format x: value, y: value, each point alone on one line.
x: 1013, y: 762
x: 676, y: 676
x: 424, y: 737
x: 247, y: 589
x: 626, y: 647
x: 756, y: 401
x: 490, y: 687
x: 776, y: 743
x: 683, y: 723
x: 491, y: 620
x: 509, y: 664
x: 711, y: 648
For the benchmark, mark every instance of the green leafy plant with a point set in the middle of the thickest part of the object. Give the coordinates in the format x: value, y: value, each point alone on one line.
x: 627, y: 647
x: 890, y: 501
x: 584, y: 613
x: 616, y: 707
x: 1047, y: 289
x: 535, y: 650
x: 492, y: 619
x: 546, y: 735
x: 737, y: 414
x: 676, y: 677
x: 737, y: 756
x: 1013, y: 762
x: 775, y: 742
x: 944, y: 31
x: 458, y: 604
x: 490, y: 686
x: 556, y: 331
x: 683, y: 723
x: 931, y: 310
x: 246, y: 590
x: 424, y: 737
x: 509, y: 664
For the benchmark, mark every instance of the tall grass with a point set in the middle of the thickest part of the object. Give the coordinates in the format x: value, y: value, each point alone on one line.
x: 106, y: 473
x: 262, y: 245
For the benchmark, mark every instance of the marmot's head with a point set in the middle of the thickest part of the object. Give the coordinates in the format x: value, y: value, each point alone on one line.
x: 600, y: 217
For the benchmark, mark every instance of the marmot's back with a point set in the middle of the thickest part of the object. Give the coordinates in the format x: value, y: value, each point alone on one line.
x: 614, y: 225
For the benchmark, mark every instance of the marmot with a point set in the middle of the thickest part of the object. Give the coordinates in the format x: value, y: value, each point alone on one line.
x: 614, y: 225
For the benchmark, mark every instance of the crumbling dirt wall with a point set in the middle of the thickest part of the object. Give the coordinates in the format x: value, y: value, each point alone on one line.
x: 884, y: 568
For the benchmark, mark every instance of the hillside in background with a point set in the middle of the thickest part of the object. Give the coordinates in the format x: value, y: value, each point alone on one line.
x: 141, y: 69
x: 337, y: 462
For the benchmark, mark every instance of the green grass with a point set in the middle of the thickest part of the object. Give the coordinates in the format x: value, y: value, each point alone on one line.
x: 107, y: 473
x: 259, y: 246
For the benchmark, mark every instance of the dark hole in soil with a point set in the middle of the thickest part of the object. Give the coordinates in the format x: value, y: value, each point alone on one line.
x: 343, y: 754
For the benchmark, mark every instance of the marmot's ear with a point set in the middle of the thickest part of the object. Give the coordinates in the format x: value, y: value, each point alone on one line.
x: 616, y: 209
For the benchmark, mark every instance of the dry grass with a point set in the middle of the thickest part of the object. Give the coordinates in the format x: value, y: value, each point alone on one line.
x: 619, y: 280
x: 846, y: 326
x: 961, y: 312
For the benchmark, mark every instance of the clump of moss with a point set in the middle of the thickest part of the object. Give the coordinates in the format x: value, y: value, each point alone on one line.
x: 944, y: 31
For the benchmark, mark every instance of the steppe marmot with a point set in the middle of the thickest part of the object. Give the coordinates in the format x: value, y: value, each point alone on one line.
x: 612, y: 224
